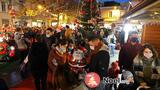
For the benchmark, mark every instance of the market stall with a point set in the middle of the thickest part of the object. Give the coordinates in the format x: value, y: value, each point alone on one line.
x: 151, y: 34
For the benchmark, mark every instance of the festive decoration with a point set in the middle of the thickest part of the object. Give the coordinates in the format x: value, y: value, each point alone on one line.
x: 12, y: 12
x: 12, y: 51
x: 30, y: 12
x: 82, y: 12
x: 89, y: 13
x: 3, y: 48
x: 6, y: 51
x: 77, y: 59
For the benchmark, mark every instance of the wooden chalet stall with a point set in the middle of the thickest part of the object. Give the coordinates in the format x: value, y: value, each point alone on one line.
x: 151, y: 34
x: 147, y: 12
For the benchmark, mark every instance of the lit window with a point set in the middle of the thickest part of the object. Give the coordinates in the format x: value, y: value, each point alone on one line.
x: 110, y: 14
x: 115, y: 13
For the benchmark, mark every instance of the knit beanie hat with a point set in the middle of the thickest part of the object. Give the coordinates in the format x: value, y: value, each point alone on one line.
x: 127, y: 74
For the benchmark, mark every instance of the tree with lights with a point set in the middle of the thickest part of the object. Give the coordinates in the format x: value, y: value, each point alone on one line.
x: 89, y: 13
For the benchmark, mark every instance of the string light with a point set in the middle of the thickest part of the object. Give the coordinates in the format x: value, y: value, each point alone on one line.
x: 40, y: 7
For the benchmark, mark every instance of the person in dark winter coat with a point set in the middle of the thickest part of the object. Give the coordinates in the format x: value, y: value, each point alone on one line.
x: 128, y: 52
x: 122, y: 38
x: 38, y: 58
x: 99, y: 59
x: 49, y: 38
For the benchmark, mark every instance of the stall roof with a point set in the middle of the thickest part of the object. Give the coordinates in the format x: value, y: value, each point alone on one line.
x: 140, y: 6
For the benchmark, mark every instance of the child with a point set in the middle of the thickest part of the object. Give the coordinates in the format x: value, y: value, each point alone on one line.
x: 113, y: 72
x: 128, y: 82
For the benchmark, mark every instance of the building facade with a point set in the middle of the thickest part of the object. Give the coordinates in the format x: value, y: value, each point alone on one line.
x: 5, y: 17
x: 112, y: 11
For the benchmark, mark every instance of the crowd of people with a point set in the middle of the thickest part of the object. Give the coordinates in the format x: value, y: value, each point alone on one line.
x: 70, y: 54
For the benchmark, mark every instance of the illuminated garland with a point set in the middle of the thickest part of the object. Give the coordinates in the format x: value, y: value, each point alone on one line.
x: 7, y: 52
x: 30, y: 12
x: 3, y: 48
x: 89, y: 12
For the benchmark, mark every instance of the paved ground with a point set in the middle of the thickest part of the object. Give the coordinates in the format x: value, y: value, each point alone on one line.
x: 9, y: 73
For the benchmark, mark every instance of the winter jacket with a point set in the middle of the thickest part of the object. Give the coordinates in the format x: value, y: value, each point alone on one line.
x: 55, y: 58
x: 38, y: 58
x: 147, y: 66
x: 100, y: 62
x: 127, y: 53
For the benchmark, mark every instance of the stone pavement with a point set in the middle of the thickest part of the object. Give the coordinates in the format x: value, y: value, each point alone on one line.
x: 9, y: 73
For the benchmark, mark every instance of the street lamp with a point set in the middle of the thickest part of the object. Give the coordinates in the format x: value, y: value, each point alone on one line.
x: 47, y: 10
x: 40, y: 7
